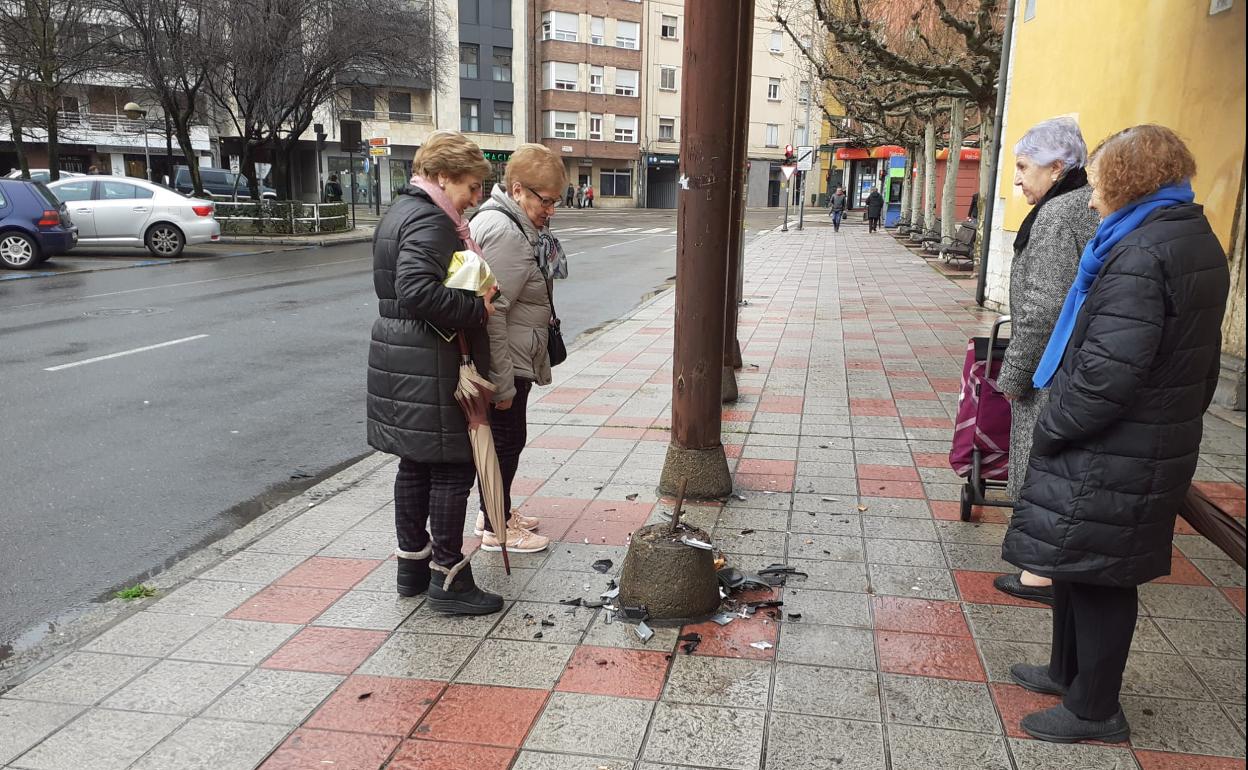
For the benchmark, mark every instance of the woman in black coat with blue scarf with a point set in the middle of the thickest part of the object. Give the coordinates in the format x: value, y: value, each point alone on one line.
x: 1132, y: 365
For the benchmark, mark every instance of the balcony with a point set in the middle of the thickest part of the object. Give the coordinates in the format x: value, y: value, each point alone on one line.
x: 116, y: 131
x: 393, y: 117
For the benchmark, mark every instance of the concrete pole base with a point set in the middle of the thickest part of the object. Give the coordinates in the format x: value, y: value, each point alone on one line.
x: 728, y: 386
x: 674, y: 581
x: 706, y: 470
x: 736, y: 355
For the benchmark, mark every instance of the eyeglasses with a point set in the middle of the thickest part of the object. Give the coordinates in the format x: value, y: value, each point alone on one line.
x: 550, y: 203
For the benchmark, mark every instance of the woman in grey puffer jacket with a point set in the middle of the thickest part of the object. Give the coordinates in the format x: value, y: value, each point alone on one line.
x: 511, y: 229
x: 1050, y: 171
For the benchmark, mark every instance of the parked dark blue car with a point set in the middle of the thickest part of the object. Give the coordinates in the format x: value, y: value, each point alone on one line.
x: 34, y: 225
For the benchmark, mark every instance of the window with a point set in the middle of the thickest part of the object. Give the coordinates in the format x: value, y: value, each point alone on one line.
x: 560, y: 26
x: 469, y: 59
x: 363, y: 102
x: 597, y: 30
x: 469, y: 115
x: 667, y: 78
x: 502, y: 117
x: 799, y: 135
x: 561, y: 125
x: 626, y: 82
x: 400, y: 106
x: 562, y: 76
x: 803, y: 92
x: 777, y: 41
x: 667, y: 129
x: 502, y: 65
x: 595, y: 127
x: 773, y: 135
x: 625, y: 129
x: 626, y: 33
x: 615, y: 183
x: 69, y: 104
x: 122, y: 191
x: 595, y: 79
x: 668, y: 28
x: 73, y: 191
x: 773, y: 89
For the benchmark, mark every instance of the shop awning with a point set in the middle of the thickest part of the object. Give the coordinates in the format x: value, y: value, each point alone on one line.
x: 864, y: 153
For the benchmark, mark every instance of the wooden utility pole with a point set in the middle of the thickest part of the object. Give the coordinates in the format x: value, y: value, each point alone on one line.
x: 703, y: 226
x: 736, y: 219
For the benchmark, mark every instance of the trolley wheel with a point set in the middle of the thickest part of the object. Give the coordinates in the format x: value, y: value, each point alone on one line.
x: 967, y: 502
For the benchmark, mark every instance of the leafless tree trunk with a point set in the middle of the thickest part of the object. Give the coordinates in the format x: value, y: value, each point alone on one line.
x: 916, y: 191
x: 987, y: 152
x: 929, y: 176
x: 949, y: 201
x: 905, y: 185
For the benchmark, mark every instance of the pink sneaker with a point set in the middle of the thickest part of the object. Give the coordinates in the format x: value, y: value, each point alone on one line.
x: 517, y: 522
x: 518, y: 541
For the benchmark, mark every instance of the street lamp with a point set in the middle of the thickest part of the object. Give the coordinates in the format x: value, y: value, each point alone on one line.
x: 135, y: 112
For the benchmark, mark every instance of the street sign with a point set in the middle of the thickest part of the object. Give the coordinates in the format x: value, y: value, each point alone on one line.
x: 379, y: 141
x: 805, y: 158
x: 788, y: 171
x: 235, y: 166
x: 378, y: 152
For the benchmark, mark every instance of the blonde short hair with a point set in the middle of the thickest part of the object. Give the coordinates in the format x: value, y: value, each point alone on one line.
x: 1139, y: 161
x: 536, y: 165
x: 451, y: 154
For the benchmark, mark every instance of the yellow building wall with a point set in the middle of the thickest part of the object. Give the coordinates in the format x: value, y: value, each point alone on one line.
x: 1117, y: 63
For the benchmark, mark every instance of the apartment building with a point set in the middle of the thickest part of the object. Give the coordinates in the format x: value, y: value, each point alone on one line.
x: 660, y: 142
x: 587, y: 77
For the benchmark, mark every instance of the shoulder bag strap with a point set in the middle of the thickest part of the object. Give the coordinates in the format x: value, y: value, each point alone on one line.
x: 537, y: 260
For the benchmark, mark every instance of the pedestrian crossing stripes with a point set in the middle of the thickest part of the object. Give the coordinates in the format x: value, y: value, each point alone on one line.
x: 613, y: 231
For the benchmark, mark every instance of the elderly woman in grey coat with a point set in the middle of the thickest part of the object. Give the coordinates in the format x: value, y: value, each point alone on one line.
x: 1049, y: 169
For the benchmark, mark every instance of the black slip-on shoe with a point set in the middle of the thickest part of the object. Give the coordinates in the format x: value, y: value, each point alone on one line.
x: 1013, y: 585
x: 1035, y: 678
x: 1060, y: 725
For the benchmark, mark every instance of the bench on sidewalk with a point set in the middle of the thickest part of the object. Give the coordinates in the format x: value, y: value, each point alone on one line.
x: 963, y: 242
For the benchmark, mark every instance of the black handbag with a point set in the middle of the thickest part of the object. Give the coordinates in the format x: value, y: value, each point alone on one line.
x: 556, y: 350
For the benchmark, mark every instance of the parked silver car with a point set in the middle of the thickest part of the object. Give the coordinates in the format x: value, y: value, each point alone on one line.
x: 124, y: 211
x: 40, y: 174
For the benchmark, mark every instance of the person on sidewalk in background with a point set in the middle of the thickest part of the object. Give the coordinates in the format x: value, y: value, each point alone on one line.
x: 413, y: 369
x: 509, y: 228
x: 333, y: 190
x: 589, y: 195
x: 875, y: 209
x: 1134, y: 361
x: 836, y: 208
x: 1049, y: 169
x: 580, y: 197
x: 568, y: 198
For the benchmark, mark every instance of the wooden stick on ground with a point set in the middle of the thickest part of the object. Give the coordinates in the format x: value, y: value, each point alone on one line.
x: 680, y: 503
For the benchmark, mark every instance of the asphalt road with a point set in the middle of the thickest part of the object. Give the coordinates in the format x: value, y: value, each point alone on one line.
x: 148, y: 411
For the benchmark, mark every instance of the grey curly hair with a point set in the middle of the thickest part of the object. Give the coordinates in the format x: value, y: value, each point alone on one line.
x: 1056, y: 139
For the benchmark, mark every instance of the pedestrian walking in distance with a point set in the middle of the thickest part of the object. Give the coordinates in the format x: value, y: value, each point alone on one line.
x: 567, y: 201
x: 1132, y: 364
x: 513, y: 230
x: 1049, y: 169
x: 580, y: 197
x: 836, y: 208
x: 589, y: 195
x: 875, y: 208
x: 413, y: 370
x: 333, y: 190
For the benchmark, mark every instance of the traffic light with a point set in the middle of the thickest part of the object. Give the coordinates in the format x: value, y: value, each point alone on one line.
x: 789, y: 154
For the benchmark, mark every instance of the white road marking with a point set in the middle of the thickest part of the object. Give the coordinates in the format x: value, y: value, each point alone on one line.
x: 598, y: 230
x: 570, y: 229
x: 625, y: 243
x: 125, y: 353
x: 629, y: 230
x: 657, y: 230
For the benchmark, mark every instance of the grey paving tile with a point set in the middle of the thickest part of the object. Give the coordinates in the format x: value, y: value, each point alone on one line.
x: 205, y: 597
x: 839, y: 524
x: 25, y: 723
x: 579, y: 557
x: 803, y: 742
x: 1186, y: 727
x: 713, y: 681
x: 749, y: 518
x: 833, y: 608
x: 829, y: 575
x: 926, y: 748
x: 1236, y: 712
x: 1205, y: 638
x: 100, y: 739
x: 999, y: 656
x: 240, y: 642
x: 569, y: 623
x: 827, y: 692
x: 686, y: 734
x: 1001, y: 622
x: 971, y: 533
x: 889, y: 506
x: 81, y: 678
x: 602, y: 633
x: 175, y: 687
x: 618, y: 725
x: 1039, y: 755
x: 294, y: 539
x: 826, y: 547
x: 824, y: 485
x: 1199, y: 547
x: 1165, y: 676
x: 549, y: 585
x: 1148, y: 638
x: 1187, y: 602
x: 835, y: 646
x: 895, y: 528
x: 1224, y: 678
x: 150, y: 634
x: 420, y: 656
x: 253, y: 567
x: 942, y: 703
x: 369, y: 610
x: 510, y: 663
x: 758, y: 543
x: 533, y: 760
x: 977, y: 558
x: 274, y: 697
x: 214, y: 744
x: 1221, y: 572
x: 916, y: 582
x: 510, y: 587
x: 381, y: 579
x: 906, y: 553
x: 426, y: 620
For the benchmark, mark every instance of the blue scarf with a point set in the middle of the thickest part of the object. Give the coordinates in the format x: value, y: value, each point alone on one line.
x: 1112, y: 229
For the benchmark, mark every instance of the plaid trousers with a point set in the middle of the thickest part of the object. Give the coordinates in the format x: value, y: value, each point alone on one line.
x: 511, y: 431
x: 432, y: 495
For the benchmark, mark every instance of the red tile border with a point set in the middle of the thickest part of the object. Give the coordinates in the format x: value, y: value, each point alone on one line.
x: 781, y: 404
x: 736, y: 415
x: 567, y: 395
x: 764, y: 482
x: 436, y: 755
x: 1161, y: 760
x: 630, y: 511
x: 376, y: 704
x: 1014, y: 703
x: 600, y: 409
x: 556, y: 442
x: 931, y: 459
x: 887, y: 473
x: 947, y: 510
x: 1183, y: 572
x: 768, y: 467
x: 307, y: 748
x: 927, y: 422
x: 734, y: 639
x: 1235, y: 596
x: 554, y: 507
x: 479, y: 714
x: 326, y: 650
x: 286, y: 604
x: 325, y: 572
x: 526, y: 487
x: 1221, y: 489
x: 944, y: 657
x: 617, y: 672
x: 620, y: 432
x: 915, y: 395
x: 977, y: 588
x: 861, y: 407
x: 899, y: 613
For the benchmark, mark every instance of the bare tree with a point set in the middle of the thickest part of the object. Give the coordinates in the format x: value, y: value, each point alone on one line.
x: 48, y: 45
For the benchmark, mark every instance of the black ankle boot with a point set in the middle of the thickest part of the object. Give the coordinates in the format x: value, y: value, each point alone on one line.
x: 461, y: 596
x: 413, y: 577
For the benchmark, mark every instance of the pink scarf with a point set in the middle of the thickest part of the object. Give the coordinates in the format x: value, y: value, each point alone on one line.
x: 438, y: 195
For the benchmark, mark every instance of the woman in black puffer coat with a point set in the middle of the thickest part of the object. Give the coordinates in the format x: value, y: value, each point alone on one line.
x: 1133, y: 370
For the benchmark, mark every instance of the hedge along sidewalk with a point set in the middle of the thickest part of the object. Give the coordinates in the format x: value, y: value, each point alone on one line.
x: 361, y: 234
x: 282, y: 218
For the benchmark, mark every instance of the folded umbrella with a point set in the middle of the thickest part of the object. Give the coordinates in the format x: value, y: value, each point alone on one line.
x: 473, y: 394
x: 1221, y: 528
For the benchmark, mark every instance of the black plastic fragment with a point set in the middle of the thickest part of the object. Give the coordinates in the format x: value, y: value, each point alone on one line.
x: 603, y: 566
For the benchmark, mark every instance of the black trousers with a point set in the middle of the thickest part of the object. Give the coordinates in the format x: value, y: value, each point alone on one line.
x: 1092, y: 630
x: 511, y: 433
x: 872, y: 224
x: 432, y: 495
